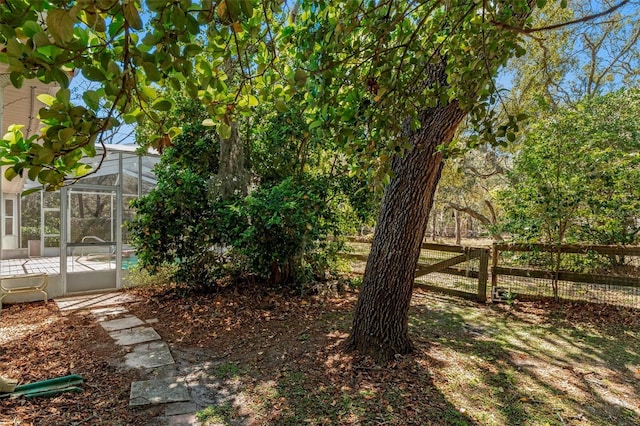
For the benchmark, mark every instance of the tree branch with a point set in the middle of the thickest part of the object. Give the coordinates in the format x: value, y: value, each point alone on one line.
x: 561, y: 24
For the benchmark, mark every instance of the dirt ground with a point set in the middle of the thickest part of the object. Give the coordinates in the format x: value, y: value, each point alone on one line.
x: 526, y: 363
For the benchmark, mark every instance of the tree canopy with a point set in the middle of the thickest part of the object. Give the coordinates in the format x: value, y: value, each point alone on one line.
x: 577, y: 177
x: 355, y: 64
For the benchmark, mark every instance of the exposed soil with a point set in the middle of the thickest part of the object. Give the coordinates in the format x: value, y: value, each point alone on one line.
x: 528, y: 363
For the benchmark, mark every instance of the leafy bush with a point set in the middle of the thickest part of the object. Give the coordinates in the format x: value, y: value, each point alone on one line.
x: 175, y: 224
x: 285, y: 234
x: 287, y: 240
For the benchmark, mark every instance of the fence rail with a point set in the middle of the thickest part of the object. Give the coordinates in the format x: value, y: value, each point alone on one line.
x: 609, y: 274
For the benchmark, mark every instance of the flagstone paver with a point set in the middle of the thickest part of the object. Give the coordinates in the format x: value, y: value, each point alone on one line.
x: 149, y: 355
x: 158, y: 392
x: 102, y: 314
x: 132, y: 336
x: 89, y: 301
x: 122, y: 323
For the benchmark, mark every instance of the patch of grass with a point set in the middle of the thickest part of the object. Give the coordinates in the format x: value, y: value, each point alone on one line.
x: 140, y: 277
x: 355, y: 282
x: 228, y: 370
x: 215, y: 414
x: 518, y: 365
x: 304, y: 337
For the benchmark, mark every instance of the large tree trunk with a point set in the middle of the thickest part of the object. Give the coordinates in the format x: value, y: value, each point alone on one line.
x: 381, y: 321
x: 232, y: 175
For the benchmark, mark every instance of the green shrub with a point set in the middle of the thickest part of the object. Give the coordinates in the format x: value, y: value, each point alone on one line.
x: 283, y: 234
x: 291, y: 231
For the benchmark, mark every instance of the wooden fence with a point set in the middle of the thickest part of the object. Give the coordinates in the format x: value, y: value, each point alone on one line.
x: 513, y: 276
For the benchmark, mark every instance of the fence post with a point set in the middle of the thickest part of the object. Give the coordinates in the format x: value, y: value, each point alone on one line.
x: 482, y: 275
x: 495, y: 253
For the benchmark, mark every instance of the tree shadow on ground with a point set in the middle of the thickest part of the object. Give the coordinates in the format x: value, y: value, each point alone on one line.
x: 511, y: 368
x: 294, y: 372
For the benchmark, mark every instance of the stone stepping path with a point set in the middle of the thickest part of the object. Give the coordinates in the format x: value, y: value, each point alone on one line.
x: 150, y: 352
x: 184, y: 395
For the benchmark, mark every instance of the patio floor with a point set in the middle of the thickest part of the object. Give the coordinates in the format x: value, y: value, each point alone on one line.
x: 51, y: 265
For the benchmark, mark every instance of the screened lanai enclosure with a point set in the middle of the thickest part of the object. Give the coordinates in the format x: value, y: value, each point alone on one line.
x: 75, y: 235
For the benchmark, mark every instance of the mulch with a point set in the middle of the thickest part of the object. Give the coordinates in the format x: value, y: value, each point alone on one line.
x: 39, y: 343
x: 274, y: 332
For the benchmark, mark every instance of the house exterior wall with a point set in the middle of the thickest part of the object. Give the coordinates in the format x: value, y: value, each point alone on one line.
x: 17, y: 106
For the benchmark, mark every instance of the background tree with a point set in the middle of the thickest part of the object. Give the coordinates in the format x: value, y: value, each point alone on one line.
x: 467, y: 188
x: 561, y: 68
x: 577, y: 178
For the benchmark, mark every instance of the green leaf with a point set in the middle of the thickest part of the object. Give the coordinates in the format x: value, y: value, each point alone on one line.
x: 92, y: 99
x: 162, y: 105
x: 152, y: 72
x: 174, y: 131
x: 224, y: 130
x: 315, y: 124
x: 60, y: 76
x: 45, y: 156
x: 33, y: 172
x: 150, y: 39
x: 132, y: 16
x: 253, y: 101
x: 95, y: 21
x: 10, y: 173
x: 281, y: 106
x: 66, y: 134
x: 247, y: 8
x: 49, y: 176
x: 46, y: 99
x: 60, y: 25
x: 64, y: 96
x: 82, y: 170
x: 31, y: 28
x: 41, y: 39
x: 14, y: 48
x: 476, y: 20
x: 30, y: 191
x: 93, y: 73
x: 156, y: 5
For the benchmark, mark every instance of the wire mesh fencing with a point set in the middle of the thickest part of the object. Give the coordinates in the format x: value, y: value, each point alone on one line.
x: 596, y: 274
x: 451, y: 269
